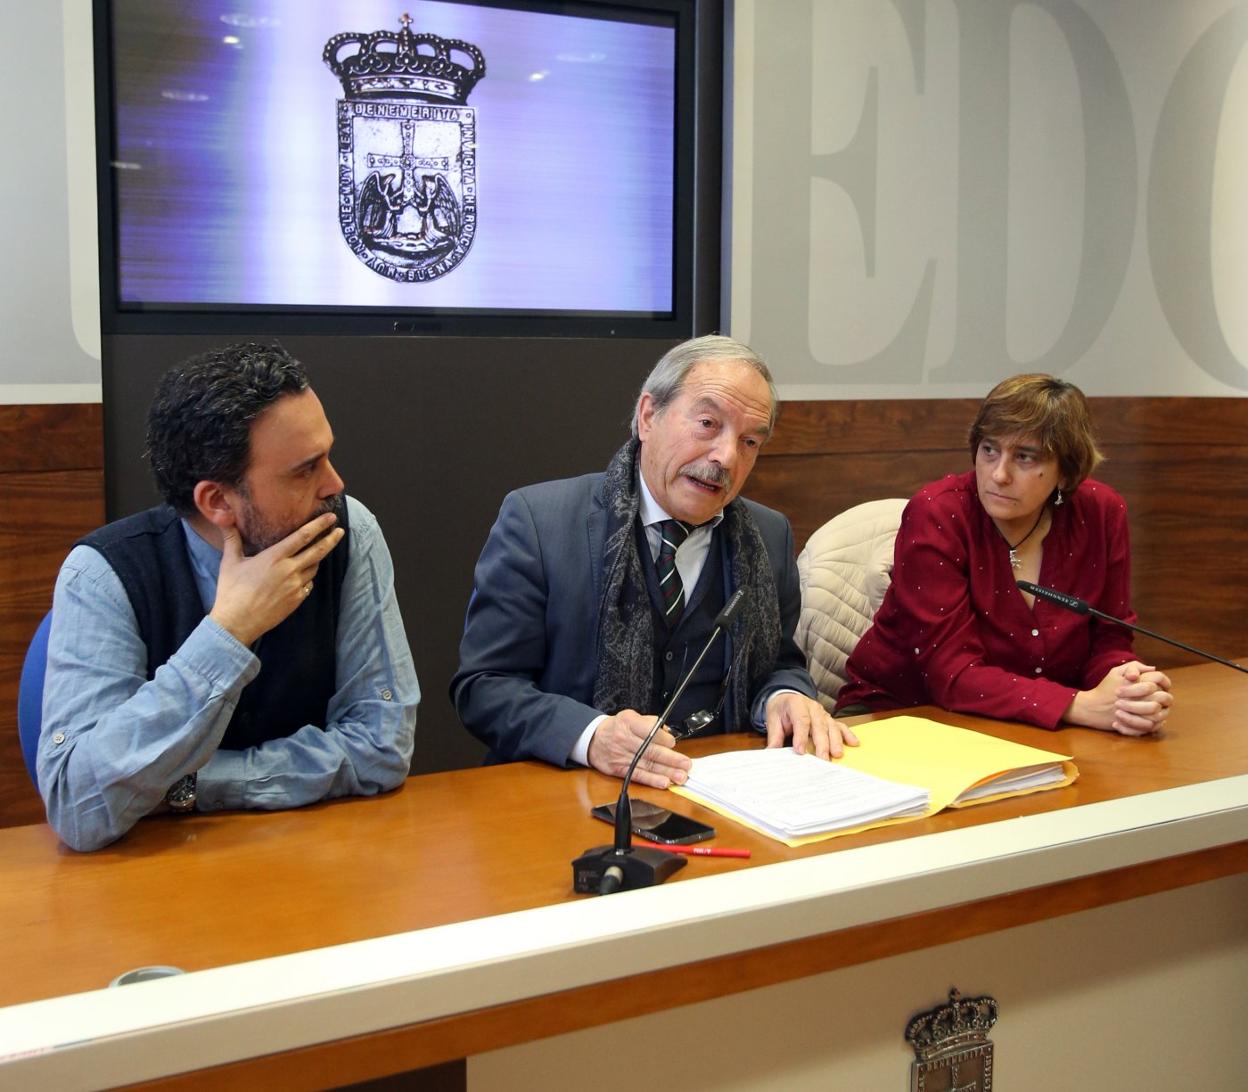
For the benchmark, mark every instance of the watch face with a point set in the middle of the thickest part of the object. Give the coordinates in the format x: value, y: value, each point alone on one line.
x: 182, y: 795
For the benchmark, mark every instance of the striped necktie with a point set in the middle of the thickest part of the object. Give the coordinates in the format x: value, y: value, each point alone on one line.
x: 672, y: 533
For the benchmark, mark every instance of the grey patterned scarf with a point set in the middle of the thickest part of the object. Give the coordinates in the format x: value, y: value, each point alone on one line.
x: 626, y: 633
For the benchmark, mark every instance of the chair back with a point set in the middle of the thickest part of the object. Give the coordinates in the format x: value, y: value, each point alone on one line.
x: 844, y: 570
x: 30, y: 695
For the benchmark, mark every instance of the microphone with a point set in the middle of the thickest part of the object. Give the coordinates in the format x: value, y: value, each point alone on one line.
x: 623, y: 866
x: 1080, y: 606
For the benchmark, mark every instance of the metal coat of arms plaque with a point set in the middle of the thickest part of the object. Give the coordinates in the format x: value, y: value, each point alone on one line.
x: 407, y: 149
x: 951, y: 1046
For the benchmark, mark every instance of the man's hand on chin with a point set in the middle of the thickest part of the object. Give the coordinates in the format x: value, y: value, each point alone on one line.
x: 254, y: 594
x: 616, y: 740
x: 803, y: 720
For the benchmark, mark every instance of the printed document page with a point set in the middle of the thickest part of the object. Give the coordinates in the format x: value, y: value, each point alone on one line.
x: 787, y: 795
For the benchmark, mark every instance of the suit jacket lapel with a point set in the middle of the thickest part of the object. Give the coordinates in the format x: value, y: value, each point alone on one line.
x: 595, y: 540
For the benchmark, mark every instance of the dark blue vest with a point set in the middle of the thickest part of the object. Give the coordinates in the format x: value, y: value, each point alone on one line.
x: 676, y: 649
x: 147, y: 551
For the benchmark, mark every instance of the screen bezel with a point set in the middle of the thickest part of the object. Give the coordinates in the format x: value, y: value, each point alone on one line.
x: 693, y: 183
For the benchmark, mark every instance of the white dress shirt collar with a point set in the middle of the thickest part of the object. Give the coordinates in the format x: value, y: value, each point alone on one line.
x: 652, y: 512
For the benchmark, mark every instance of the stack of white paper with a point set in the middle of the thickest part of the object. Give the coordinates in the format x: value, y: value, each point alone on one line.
x: 789, y: 796
x: 1025, y: 779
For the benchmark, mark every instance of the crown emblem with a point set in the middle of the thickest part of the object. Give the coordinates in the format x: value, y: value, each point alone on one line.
x: 964, y: 1020
x: 423, y: 67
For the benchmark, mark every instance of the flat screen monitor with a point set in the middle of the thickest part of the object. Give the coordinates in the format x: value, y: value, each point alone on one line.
x: 455, y: 166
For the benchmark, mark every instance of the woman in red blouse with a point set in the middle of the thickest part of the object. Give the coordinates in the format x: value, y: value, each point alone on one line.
x: 954, y: 629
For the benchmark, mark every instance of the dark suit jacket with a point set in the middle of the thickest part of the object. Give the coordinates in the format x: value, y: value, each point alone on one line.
x: 529, y: 652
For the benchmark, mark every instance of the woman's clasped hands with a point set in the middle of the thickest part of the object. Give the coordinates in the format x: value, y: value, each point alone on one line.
x: 1132, y: 699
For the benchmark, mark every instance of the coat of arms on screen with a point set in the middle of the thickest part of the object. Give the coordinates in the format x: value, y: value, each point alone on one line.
x: 407, y: 149
x: 952, y: 1051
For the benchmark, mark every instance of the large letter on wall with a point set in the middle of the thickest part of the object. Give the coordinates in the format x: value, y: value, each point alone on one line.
x: 1180, y: 198
x: 1109, y: 205
x: 782, y: 208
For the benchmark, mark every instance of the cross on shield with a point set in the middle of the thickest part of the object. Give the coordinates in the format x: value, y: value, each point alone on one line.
x: 407, y: 150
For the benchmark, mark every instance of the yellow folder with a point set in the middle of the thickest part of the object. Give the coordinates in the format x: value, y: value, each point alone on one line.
x: 948, y: 762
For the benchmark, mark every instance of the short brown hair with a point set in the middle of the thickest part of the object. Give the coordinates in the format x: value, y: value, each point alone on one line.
x: 1052, y: 411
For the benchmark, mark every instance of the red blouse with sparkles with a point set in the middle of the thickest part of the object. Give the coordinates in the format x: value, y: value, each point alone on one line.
x: 955, y: 631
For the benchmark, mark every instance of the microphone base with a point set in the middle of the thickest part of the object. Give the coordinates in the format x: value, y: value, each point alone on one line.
x: 641, y: 867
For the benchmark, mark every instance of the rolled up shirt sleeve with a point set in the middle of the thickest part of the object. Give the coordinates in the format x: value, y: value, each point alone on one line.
x: 112, y: 740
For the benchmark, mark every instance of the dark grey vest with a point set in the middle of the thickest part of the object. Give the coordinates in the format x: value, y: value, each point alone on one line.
x: 676, y: 649
x: 147, y: 551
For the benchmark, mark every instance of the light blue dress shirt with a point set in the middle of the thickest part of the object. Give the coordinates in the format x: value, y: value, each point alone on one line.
x: 113, y: 742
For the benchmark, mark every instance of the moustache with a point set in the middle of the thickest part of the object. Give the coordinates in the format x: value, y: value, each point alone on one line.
x: 334, y: 504
x: 708, y: 474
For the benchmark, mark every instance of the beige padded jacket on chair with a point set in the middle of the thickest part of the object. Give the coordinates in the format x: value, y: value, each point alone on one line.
x: 844, y: 569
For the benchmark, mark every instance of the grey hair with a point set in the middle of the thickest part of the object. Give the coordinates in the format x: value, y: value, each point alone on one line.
x: 667, y: 379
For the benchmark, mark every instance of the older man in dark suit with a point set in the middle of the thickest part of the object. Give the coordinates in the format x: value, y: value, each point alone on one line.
x: 594, y: 595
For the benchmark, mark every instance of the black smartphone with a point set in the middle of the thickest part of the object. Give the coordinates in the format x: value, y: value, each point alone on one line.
x: 657, y: 824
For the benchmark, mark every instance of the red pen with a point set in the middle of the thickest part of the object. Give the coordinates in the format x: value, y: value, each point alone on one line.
x: 694, y: 851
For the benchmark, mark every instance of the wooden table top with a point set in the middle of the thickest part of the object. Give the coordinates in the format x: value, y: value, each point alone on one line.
x: 211, y: 890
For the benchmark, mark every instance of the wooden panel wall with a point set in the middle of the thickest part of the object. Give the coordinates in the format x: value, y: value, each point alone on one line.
x: 51, y: 493
x: 1180, y: 463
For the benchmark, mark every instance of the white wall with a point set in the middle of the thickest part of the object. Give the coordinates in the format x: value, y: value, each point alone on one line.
x: 926, y: 195
x: 49, y: 284
x: 929, y: 195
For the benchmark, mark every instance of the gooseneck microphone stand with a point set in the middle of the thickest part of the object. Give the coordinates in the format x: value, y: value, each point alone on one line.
x: 1081, y: 606
x: 622, y: 866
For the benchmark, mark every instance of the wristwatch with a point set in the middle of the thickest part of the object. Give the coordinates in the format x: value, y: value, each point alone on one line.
x: 182, y: 794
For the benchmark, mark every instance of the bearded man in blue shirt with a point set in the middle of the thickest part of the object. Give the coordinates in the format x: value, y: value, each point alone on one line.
x: 239, y: 646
